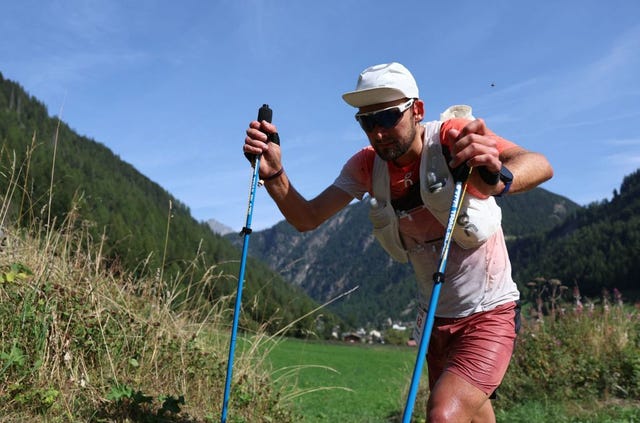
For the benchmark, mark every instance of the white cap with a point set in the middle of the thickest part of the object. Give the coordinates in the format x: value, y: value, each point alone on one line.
x: 382, y: 83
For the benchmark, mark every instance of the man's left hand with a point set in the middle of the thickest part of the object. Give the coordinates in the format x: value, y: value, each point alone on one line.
x: 474, y: 146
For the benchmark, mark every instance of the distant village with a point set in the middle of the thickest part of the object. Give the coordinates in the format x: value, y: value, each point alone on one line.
x: 373, y: 336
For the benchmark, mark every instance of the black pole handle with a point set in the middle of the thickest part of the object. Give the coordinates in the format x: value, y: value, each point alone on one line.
x: 265, y: 113
x: 460, y: 173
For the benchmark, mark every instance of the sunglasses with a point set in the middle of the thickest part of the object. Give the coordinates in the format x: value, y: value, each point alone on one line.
x: 387, y: 118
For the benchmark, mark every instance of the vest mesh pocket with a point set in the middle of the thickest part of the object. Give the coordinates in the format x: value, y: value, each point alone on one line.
x: 385, y: 229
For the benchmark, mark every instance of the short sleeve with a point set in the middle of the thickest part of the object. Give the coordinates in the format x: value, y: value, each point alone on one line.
x: 355, y: 177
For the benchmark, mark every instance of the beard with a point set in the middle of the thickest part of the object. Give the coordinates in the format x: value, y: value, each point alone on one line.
x: 390, y: 148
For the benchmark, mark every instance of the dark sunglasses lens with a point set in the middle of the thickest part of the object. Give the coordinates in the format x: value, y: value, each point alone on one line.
x: 366, y: 122
x: 387, y: 119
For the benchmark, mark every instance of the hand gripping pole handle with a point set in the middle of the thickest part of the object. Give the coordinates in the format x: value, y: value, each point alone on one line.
x: 264, y: 113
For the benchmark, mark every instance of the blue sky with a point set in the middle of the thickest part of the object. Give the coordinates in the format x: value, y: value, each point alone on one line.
x: 170, y: 86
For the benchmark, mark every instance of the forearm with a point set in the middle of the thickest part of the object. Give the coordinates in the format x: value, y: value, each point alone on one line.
x: 291, y: 203
x: 529, y: 169
x: 303, y: 214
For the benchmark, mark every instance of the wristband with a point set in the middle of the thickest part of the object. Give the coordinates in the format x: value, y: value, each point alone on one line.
x: 274, y: 176
x: 507, y: 178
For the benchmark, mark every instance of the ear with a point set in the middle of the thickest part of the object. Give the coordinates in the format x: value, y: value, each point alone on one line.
x: 418, y: 110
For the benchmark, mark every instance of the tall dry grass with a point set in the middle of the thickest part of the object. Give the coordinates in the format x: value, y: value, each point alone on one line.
x: 79, y: 342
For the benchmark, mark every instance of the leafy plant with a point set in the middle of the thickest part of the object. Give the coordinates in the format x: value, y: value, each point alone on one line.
x: 14, y: 273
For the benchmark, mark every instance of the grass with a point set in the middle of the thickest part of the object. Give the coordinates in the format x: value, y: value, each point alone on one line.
x: 79, y: 344
x: 82, y: 341
x: 570, y: 412
x: 343, y: 382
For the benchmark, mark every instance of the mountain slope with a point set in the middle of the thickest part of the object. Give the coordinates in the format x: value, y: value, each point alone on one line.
x: 533, y: 211
x: 341, y: 254
x: 142, y: 226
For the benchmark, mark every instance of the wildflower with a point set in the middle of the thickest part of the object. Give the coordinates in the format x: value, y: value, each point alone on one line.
x: 617, y: 295
x: 576, y: 296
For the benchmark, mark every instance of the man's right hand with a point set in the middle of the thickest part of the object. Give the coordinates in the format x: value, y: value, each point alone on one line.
x: 257, y: 143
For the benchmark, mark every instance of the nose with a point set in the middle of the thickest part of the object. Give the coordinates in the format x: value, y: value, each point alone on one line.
x: 378, y: 133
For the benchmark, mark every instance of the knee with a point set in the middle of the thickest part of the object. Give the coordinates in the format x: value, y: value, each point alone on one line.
x: 455, y: 412
x: 441, y: 414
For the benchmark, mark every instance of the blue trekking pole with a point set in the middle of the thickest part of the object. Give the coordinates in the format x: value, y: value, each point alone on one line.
x: 460, y: 176
x: 264, y: 113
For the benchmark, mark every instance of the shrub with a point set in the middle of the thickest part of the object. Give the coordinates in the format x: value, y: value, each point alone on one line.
x: 578, y: 352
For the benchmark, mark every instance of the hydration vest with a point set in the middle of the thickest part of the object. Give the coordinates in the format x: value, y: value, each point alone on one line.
x: 478, y: 219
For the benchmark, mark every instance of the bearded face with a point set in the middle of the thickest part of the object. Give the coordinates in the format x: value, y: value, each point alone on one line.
x: 393, y: 144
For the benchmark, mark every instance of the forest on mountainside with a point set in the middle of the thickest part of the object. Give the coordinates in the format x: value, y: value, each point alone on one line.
x: 595, y: 248
x: 51, y: 175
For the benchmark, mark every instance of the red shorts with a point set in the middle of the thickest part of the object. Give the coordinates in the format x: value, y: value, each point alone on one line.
x: 477, y: 348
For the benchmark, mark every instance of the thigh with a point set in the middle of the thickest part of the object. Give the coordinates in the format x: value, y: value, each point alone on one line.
x: 477, y: 348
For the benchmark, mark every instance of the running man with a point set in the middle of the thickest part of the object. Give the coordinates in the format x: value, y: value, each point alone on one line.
x: 406, y: 171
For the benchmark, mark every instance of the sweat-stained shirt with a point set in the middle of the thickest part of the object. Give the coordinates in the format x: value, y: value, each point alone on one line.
x: 476, y: 279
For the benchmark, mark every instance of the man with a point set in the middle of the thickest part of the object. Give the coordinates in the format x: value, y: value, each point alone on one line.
x: 408, y: 178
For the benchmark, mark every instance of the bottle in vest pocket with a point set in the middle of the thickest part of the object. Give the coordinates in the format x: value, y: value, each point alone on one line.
x: 385, y: 229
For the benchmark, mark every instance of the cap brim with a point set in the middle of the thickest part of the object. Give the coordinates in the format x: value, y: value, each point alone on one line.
x: 372, y: 96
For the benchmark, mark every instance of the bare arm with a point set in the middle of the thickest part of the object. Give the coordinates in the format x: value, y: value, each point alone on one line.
x: 303, y: 214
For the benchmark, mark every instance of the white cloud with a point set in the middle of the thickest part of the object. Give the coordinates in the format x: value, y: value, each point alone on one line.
x: 625, y: 160
x: 624, y: 142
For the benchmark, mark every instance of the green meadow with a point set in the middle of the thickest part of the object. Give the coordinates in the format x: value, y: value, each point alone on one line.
x: 330, y: 382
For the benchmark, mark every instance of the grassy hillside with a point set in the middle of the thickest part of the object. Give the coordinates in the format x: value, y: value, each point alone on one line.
x: 81, y: 343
